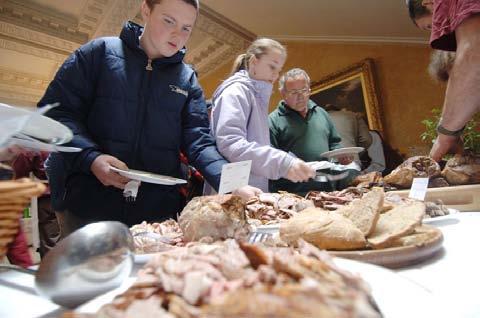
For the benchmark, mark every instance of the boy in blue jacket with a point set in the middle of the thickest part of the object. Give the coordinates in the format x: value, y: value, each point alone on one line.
x: 132, y: 102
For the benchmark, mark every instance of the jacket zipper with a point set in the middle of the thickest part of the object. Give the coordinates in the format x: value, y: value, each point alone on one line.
x: 142, y: 107
x: 149, y: 65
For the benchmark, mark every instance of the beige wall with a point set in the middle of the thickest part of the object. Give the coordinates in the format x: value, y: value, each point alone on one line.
x: 406, y: 93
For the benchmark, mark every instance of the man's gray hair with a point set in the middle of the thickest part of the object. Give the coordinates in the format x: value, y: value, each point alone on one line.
x: 293, y: 73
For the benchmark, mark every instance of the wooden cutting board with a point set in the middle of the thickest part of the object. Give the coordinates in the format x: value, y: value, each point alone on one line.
x: 462, y: 198
x: 396, y: 257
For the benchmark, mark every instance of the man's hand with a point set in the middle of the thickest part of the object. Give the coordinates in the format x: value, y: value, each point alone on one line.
x: 345, y: 160
x: 101, y: 169
x: 247, y: 192
x: 446, y: 144
x: 300, y: 171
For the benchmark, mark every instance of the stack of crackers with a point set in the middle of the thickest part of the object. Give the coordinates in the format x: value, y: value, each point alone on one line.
x: 15, y: 196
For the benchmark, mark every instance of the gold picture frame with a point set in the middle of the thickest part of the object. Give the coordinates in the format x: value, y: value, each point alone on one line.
x: 352, y: 88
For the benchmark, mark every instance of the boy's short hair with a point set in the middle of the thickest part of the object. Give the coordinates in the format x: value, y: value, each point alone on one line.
x: 194, y: 3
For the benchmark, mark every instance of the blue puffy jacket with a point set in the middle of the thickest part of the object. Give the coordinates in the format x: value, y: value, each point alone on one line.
x: 116, y: 102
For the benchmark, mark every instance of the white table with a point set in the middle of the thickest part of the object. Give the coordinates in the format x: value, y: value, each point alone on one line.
x: 452, y: 276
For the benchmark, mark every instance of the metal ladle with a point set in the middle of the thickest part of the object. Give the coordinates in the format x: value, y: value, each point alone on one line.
x: 89, y: 262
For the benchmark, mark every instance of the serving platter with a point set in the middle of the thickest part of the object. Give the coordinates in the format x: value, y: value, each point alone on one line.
x: 414, y: 252
x: 387, y: 288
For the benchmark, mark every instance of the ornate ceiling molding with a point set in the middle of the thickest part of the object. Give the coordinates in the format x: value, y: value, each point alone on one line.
x: 92, y: 15
x: 28, y: 28
x: 222, y: 41
x: 28, y: 15
x: 24, y: 80
x: 18, y: 98
x: 37, y: 38
x: 12, y: 45
x: 119, y: 12
x: 223, y: 30
x: 225, y: 54
x: 25, y: 88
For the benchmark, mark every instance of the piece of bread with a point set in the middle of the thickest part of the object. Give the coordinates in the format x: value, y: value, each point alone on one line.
x: 414, y: 167
x: 364, y: 212
x: 463, y: 169
x: 324, y: 229
x: 218, y: 217
x: 401, y: 220
x: 421, y: 235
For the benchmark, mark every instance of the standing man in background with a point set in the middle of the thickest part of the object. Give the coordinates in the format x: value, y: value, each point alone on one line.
x: 301, y: 127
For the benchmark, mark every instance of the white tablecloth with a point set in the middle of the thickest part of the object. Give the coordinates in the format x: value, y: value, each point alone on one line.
x: 452, y: 276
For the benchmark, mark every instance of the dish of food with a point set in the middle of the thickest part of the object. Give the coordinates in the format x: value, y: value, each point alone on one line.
x: 435, y: 219
x: 386, y: 289
x: 424, y: 243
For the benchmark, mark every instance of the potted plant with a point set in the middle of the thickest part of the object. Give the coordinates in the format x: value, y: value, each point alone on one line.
x: 471, y: 134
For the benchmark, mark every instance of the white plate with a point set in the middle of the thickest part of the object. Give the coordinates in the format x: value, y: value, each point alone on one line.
x: 38, y: 126
x: 396, y: 296
x: 41, y: 146
x: 342, y: 152
x: 148, y: 177
x: 441, y: 218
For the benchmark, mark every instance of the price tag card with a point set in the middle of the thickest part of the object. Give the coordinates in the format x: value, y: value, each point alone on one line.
x: 419, y: 189
x: 234, y: 175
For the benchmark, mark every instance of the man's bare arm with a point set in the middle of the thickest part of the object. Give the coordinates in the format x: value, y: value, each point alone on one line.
x: 462, y: 98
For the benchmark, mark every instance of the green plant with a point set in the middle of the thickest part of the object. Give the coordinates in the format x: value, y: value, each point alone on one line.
x: 471, y: 134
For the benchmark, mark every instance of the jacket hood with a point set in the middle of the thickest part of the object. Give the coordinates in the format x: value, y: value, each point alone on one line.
x: 130, y: 35
x: 261, y: 89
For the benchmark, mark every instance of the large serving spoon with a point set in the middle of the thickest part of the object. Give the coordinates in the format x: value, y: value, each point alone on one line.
x: 89, y: 262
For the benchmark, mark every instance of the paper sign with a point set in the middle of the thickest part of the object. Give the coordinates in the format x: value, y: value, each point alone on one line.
x: 234, y: 175
x: 419, y: 188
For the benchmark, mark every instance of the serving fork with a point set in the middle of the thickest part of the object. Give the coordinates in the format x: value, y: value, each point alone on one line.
x: 131, y: 190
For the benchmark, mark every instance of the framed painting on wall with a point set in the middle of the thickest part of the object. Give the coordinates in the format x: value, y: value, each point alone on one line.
x: 352, y: 88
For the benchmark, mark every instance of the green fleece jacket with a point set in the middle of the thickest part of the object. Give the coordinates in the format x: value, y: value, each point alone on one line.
x: 307, y: 138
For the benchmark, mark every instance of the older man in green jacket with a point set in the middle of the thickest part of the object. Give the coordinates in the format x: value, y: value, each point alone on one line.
x: 301, y: 127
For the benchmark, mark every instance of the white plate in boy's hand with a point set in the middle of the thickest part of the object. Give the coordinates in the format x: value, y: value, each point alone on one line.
x: 148, y: 177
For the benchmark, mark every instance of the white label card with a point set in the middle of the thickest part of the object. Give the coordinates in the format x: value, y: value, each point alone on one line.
x: 234, y: 175
x: 419, y: 189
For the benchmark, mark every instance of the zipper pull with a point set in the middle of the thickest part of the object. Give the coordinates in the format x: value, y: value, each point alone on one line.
x: 149, y: 65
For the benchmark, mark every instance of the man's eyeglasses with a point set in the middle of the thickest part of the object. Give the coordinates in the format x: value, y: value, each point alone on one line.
x: 298, y: 92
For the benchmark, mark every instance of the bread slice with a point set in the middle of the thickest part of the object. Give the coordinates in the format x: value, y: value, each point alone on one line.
x: 364, y: 212
x: 324, y: 229
x: 401, y: 220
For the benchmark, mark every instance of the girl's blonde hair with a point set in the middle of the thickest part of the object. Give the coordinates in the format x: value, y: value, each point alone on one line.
x: 258, y: 48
